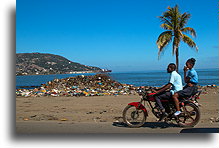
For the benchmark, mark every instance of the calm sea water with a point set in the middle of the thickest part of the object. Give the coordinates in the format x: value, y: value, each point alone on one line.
x: 149, y: 78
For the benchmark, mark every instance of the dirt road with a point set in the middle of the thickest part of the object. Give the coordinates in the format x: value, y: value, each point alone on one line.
x: 101, y: 114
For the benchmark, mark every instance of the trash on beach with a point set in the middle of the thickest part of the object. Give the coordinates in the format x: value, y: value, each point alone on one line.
x: 25, y: 119
x: 63, y: 119
x: 81, y: 85
x: 212, y: 86
x: 96, y: 85
x: 214, y: 119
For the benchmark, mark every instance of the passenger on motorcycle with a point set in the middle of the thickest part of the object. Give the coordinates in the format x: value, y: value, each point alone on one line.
x: 175, y: 84
x: 191, y: 80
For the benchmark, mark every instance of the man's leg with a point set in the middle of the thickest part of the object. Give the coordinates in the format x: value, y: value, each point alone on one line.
x: 158, y: 98
x: 175, y: 99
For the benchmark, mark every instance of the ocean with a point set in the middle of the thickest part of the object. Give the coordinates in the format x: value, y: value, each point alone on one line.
x: 143, y: 78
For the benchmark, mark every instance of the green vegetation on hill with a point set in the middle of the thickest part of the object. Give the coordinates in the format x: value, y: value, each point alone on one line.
x: 39, y: 63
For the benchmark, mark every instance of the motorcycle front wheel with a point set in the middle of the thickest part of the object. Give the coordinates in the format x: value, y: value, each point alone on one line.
x: 134, y: 117
x: 190, y: 115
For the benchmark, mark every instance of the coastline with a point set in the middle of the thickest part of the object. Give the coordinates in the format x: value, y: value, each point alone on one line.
x: 148, y: 78
x: 84, y: 85
x: 73, y: 72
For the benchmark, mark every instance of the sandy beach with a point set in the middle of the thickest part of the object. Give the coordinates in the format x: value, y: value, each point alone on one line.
x: 81, y: 114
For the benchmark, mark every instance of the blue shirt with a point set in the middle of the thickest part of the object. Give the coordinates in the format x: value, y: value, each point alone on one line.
x: 176, y: 81
x: 192, y: 74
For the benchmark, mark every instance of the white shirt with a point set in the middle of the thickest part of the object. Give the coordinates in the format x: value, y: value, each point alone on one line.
x: 176, y: 81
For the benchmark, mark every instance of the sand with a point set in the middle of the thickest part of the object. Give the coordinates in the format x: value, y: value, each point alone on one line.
x: 98, y: 109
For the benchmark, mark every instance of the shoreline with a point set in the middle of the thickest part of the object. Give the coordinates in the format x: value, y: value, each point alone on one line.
x: 83, y: 85
x: 41, y: 91
x: 74, y: 72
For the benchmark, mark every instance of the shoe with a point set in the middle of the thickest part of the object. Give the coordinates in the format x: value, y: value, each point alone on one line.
x: 177, y: 113
x: 163, y: 116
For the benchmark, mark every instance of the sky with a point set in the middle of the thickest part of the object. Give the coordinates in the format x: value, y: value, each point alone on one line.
x: 115, y: 34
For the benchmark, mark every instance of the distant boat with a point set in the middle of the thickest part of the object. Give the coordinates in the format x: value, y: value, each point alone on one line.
x: 106, y: 70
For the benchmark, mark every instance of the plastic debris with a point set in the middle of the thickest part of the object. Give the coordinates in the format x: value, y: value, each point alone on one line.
x: 25, y: 119
x: 63, y: 119
x: 96, y: 85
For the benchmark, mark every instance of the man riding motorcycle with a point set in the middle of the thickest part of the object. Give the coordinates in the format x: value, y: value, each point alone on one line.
x: 174, y: 84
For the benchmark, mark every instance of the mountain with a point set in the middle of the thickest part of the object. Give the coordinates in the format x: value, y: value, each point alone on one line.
x: 40, y: 63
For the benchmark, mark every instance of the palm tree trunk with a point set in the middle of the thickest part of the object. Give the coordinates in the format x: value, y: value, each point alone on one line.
x: 177, y: 59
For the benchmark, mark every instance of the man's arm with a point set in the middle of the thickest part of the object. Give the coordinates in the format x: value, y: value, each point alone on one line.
x: 167, y: 86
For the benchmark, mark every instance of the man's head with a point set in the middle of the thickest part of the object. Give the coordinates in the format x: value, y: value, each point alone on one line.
x: 190, y: 63
x: 171, y: 67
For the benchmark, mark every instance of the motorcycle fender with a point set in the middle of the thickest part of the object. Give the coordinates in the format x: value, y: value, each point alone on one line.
x: 138, y: 105
x: 187, y: 102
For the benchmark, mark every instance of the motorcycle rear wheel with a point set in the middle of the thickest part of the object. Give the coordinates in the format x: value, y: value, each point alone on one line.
x: 190, y: 116
x: 134, y: 117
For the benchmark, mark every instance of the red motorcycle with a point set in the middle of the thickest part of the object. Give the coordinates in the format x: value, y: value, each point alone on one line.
x: 135, y: 113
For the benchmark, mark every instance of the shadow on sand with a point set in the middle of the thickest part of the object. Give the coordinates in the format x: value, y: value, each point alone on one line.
x: 163, y: 125
x: 200, y: 130
x: 148, y: 124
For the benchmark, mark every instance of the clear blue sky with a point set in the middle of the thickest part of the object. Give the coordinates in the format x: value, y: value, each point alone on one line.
x: 115, y: 34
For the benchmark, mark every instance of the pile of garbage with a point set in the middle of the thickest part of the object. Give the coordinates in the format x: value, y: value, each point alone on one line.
x: 96, y: 85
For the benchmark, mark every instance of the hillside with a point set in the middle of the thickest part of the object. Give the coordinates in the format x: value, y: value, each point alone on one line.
x: 40, y: 63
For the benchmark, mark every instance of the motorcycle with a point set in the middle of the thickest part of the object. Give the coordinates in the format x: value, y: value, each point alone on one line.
x: 135, y: 113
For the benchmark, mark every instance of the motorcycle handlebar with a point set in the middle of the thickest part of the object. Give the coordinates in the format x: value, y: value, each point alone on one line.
x: 144, y: 91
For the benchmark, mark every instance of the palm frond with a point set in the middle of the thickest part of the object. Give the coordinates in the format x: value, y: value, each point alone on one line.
x: 166, y: 26
x: 189, y: 42
x: 165, y: 21
x: 179, y: 33
x: 173, y: 15
x: 189, y: 30
x: 161, y: 49
x: 184, y: 19
x: 163, y: 40
x: 172, y: 12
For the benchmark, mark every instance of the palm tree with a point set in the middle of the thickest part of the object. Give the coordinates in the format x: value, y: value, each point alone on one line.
x: 174, y: 22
